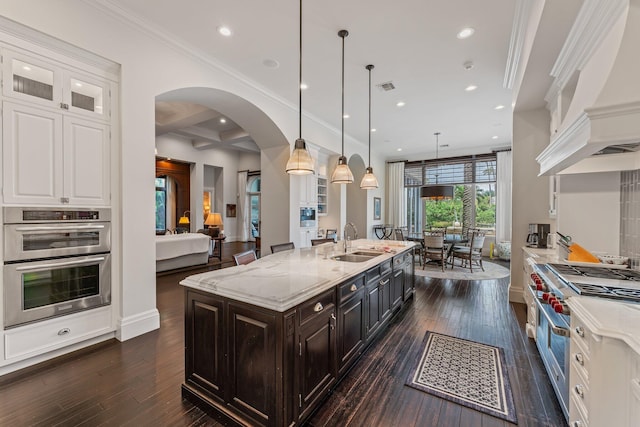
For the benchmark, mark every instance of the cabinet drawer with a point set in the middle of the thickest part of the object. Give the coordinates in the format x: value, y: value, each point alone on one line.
x: 49, y: 335
x: 577, y: 417
x: 580, y: 334
x: 385, y: 267
x: 317, y: 305
x: 580, y: 362
x: 579, y: 389
x: 350, y: 287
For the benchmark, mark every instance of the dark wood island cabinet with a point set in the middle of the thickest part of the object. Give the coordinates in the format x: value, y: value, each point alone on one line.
x: 260, y: 366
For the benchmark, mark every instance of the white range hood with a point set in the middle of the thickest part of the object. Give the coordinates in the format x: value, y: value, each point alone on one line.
x: 602, y: 114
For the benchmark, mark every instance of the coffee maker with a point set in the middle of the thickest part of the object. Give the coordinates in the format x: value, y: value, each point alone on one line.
x: 537, y: 237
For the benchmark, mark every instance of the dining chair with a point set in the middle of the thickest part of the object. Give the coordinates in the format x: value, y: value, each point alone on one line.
x: 472, y: 253
x: 316, y: 242
x: 399, y: 234
x: 245, y: 257
x: 331, y: 233
x: 258, y: 245
x: 282, y: 247
x: 433, y: 248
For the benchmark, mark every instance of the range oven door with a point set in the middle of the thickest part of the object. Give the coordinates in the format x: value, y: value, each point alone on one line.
x: 33, y: 241
x: 552, y: 340
x: 38, y: 290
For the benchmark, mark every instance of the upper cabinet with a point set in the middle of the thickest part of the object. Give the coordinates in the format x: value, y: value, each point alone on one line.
x: 39, y: 81
x: 56, y: 131
x: 322, y: 195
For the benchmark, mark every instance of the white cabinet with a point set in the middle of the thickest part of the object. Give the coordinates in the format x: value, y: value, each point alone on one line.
x: 308, y: 190
x: 322, y: 196
x: 39, y: 81
x: 306, y: 234
x: 51, y: 158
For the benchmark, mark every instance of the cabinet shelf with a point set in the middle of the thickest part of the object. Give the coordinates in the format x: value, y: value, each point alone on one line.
x: 322, y: 196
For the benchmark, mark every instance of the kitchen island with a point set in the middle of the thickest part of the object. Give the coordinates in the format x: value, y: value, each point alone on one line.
x: 267, y: 341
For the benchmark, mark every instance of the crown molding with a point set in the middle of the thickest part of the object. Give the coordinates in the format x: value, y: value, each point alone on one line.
x: 172, y: 41
x: 595, y: 20
x: 16, y: 34
x: 519, y: 29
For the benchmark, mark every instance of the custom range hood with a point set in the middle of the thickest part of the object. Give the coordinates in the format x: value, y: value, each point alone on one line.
x: 595, y: 99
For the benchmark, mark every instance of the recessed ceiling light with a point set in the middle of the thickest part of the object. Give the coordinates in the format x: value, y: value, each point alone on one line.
x: 499, y: 107
x: 346, y: 116
x: 304, y: 86
x: 26, y: 68
x: 400, y: 104
x: 373, y: 129
x: 223, y: 120
x: 465, y: 32
x: 471, y: 88
x: 494, y: 137
x: 399, y: 149
x: 224, y: 31
x: 270, y: 63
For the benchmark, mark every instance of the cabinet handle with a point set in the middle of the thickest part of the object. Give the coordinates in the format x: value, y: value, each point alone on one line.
x: 318, y: 307
x: 384, y: 282
x: 63, y: 332
x: 353, y: 288
x: 580, y: 331
x: 576, y: 424
x: 64, y: 106
x: 579, y: 358
x: 579, y: 389
x: 333, y: 321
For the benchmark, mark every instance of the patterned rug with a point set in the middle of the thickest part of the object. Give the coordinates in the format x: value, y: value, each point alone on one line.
x: 491, y: 271
x: 466, y: 372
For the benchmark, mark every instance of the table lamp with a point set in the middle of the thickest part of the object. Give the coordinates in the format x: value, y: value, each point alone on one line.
x: 214, y: 222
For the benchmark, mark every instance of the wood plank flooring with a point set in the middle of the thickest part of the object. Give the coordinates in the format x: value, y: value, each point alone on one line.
x: 137, y: 382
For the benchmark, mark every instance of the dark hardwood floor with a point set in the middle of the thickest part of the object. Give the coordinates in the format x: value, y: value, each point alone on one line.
x: 137, y: 382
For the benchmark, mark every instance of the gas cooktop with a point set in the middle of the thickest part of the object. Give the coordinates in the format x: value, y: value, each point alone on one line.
x: 619, y: 284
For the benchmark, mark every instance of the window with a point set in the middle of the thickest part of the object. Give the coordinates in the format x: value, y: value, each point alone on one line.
x: 474, y: 202
x: 161, y: 204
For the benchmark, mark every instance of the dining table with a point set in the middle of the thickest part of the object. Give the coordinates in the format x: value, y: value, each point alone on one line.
x: 450, y: 241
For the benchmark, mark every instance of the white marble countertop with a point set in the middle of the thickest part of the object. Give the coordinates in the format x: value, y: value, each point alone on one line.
x: 609, y: 318
x: 542, y: 256
x: 283, y: 280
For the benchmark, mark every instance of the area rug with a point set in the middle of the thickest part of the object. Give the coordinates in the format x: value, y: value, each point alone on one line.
x: 491, y: 271
x: 466, y: 372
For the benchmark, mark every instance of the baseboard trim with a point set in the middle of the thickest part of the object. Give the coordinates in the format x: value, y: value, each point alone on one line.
x: 139, y: 324
x: 516, y: 294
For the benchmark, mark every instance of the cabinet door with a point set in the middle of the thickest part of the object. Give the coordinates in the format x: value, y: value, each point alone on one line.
x: 373, y: 308
x: 86, y: 162
x: 409, y: 278
x: 32, y: 155
x: 385, y: 296
x: 32, y: 80
x: 351, y: 333
x: 204, y: 343
x: 86, y: 95
x: 397, y: 286
x: 252, y: 363
x: 317, y: 345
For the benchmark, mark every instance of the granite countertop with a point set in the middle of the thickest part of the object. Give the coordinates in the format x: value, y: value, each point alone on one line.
x: 609, y: 318
x: 283, y: 280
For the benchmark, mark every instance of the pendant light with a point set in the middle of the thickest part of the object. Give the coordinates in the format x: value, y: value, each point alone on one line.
x: 342, y: 174
x: 300, y: 162
x: 369, y: 180
x: 436, y: 191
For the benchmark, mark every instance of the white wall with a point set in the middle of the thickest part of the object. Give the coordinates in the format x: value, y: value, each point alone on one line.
x: 589, y: 210
x: 151, y: 66
x: 530, y: 194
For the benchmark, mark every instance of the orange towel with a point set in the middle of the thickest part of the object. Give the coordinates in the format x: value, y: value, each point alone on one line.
x: 580, y: 254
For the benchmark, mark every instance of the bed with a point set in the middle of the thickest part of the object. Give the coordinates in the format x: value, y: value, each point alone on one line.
x: 181, y: 250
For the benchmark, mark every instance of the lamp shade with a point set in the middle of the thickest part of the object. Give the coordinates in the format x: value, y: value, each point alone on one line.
x: 342, y: 174
x: 214, y: 219
x: 369, y: 180
x: 184, y: 219
x: 436, y: 192
x: 300, y: 162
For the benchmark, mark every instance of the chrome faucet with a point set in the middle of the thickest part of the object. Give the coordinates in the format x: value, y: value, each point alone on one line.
x: 347, y: 238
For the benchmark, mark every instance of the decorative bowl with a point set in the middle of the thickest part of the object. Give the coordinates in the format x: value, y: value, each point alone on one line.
x: 614, y: 259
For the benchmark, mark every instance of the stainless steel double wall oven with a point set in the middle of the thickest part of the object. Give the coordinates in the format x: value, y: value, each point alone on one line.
x: 56, y: 262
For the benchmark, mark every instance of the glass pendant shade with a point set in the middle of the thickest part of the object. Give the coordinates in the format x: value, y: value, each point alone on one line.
x: 369, y: 180
x: 342, y: 174
x: 300, y: 162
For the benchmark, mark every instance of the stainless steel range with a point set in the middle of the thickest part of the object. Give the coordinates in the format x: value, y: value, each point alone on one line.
x: 552, y: 285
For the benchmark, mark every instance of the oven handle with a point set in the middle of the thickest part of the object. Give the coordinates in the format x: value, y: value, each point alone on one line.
x: 563, y: 332
x: 61, y: 227
x: 60, y: 264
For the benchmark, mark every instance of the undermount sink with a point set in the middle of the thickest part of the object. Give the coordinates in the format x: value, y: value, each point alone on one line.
x: 357, y: 256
